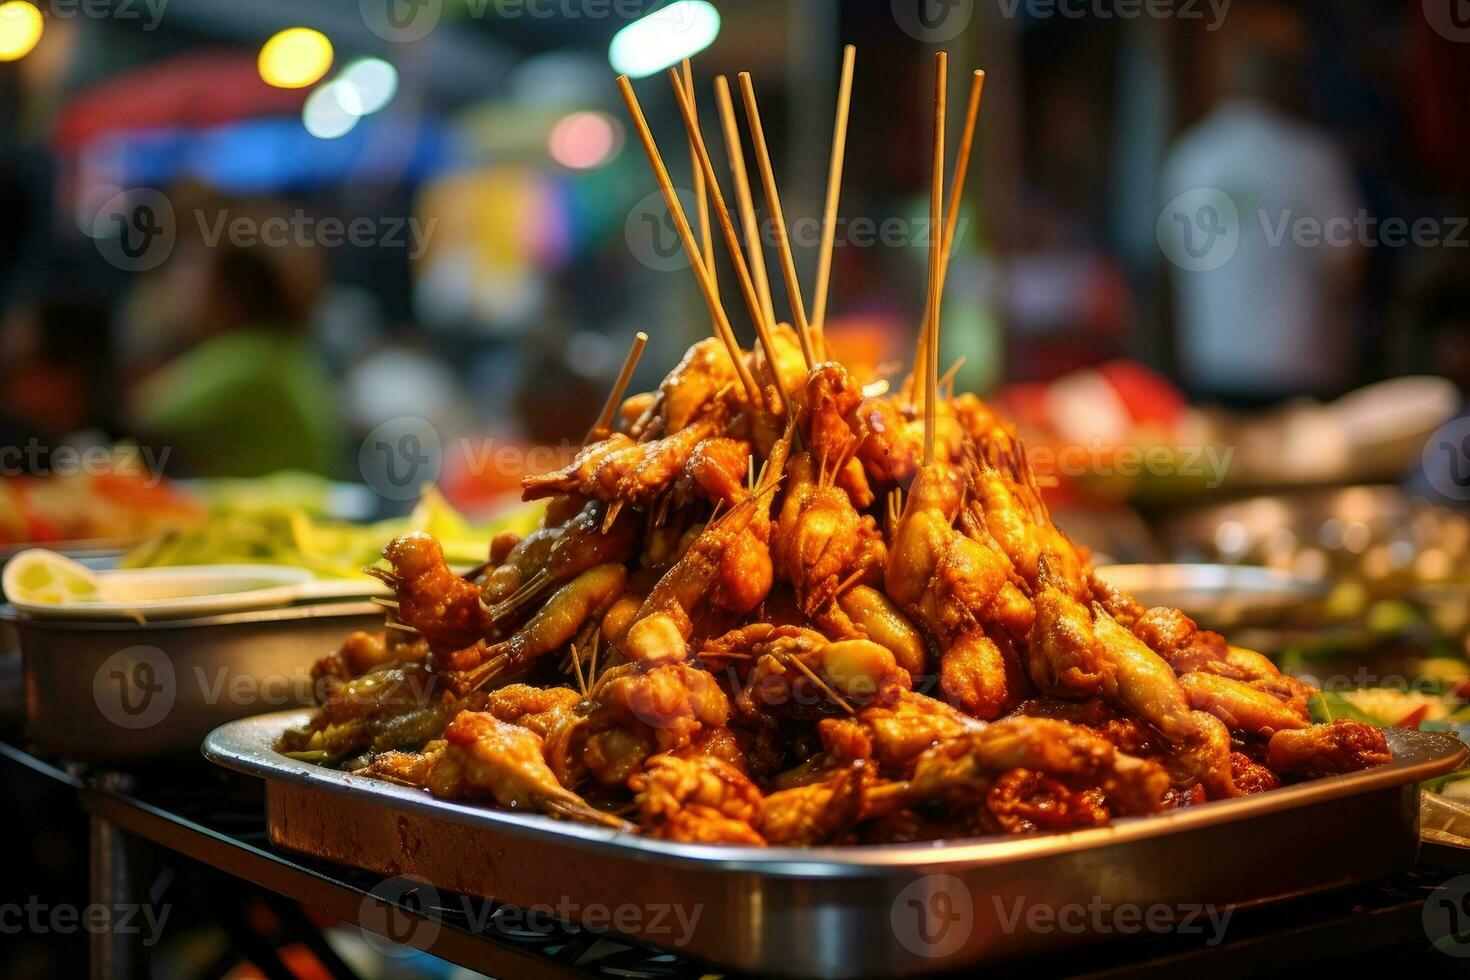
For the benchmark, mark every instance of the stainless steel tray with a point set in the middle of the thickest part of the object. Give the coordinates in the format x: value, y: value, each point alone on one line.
x: 862, y: 911
x: 116, y: 692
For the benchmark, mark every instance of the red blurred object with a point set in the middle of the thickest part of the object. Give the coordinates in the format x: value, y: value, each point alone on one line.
x: 192, y: 91
x: 1149, y: 397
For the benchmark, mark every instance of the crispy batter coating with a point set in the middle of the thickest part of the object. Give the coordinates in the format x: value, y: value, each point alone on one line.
x: 861, y: 647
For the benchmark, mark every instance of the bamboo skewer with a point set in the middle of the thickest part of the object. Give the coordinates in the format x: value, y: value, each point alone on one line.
x: 834, y: 193
x: 936, y: 257
x: 691, y: 246
x: 701, y: 194
x: 773, y: 201
x: 620, y: 386
x: 956, y: 193
x: 763, y: 329
x: 743, y: 196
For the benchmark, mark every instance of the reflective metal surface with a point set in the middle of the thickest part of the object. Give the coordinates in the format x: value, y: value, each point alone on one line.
x: 1220, y: 596
x: 115, y: 692
x: 862, y: 911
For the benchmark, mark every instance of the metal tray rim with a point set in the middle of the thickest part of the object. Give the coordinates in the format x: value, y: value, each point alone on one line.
x: 245, y: 746
x: 291, y: 613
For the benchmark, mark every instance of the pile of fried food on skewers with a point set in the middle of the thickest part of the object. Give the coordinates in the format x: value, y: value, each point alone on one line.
x: 774, y: 603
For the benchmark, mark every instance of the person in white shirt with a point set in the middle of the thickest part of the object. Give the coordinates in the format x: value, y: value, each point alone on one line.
x: 1263, y: 228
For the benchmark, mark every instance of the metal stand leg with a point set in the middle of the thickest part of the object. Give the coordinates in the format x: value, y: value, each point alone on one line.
x: 115, y: 885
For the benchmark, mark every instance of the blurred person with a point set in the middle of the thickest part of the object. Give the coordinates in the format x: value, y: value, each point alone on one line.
x: 55, y: 374
x: 1275, y: 318
x: 251, y: 396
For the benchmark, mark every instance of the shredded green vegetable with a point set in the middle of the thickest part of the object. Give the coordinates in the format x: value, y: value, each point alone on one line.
x: 286, y: 534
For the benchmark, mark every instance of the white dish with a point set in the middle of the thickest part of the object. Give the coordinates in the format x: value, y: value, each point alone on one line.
x: 192, y: 590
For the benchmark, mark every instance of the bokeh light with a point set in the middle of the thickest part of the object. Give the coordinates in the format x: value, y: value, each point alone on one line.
x: 584, y: 140
x: 20, y: 28
x: 374, y: 80
x: 664, y: 37
x: 331, y: 111
x: 295, y: 58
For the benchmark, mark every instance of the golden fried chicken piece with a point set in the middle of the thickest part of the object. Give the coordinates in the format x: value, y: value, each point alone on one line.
x: 1063, y: 657
x: 404, y: 768
x: 704, y: 372
x: 622, y: 471
x: 540, y: 709
x: 441, y: 605
x: 1242, y: 707
x: 822, y: 544
x: 554, y: 625
x: 819, y: 812
x: 1251, y: 777
x: 1139, y: 681
x: 903, y: 724
x: 670, y: 703
x: 361, y: 653
x: 719, y: 467
x: 486, y: 757
x: 1326, y: 750
x: 581, y: 471
x: 964, y: 766
x: 980, y: 677
x: 660, y: 631
x: 698, y: 800
x: 1024, y: 802
x: 871, y: 612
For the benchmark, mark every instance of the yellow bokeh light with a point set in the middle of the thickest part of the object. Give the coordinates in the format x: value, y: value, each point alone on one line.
x: 295, y: 58
x: 20, y: 29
